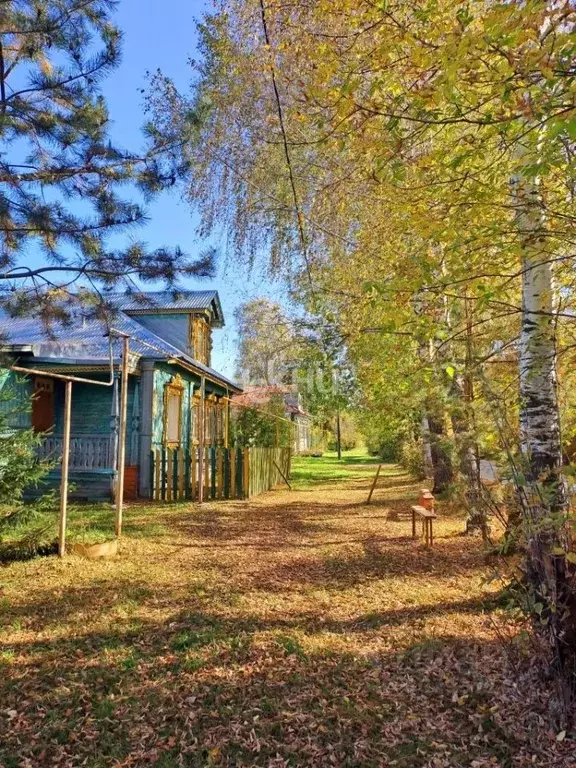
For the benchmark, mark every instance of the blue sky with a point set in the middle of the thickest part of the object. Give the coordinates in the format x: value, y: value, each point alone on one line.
x: 163, y: 35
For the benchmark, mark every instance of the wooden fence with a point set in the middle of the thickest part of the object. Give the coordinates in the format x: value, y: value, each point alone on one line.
x: 227, y: 473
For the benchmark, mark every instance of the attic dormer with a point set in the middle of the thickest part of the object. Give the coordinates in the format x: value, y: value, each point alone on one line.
x: 200, y: 338
x: 184, y: 319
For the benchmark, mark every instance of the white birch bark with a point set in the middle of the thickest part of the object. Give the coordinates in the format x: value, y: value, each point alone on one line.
x: 539, y: 415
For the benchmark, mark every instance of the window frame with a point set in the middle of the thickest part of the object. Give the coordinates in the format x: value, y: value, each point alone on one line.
x: 173, y: 388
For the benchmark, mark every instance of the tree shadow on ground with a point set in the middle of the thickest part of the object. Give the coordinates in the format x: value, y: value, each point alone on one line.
x: 204, y: 689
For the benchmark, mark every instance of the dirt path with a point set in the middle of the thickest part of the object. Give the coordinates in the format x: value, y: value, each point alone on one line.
x: 301, y: 629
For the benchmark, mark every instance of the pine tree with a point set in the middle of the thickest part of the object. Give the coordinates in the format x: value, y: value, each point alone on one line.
x: 59, y: 173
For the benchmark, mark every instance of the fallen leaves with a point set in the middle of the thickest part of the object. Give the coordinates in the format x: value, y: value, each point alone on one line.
x: 300, y: 628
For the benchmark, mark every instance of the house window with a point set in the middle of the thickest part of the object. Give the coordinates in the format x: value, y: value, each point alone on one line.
x: 196, y: 419
x: 220, y: 422
x: 173, y: 412
x: 43, y: 404
x: 210, y: 421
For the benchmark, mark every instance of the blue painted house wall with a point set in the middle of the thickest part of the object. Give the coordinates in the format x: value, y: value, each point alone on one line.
x: 83, y: 350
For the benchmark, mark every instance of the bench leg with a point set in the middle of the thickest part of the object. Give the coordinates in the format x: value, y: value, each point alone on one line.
x: 413, y: 524
x: 431, y: 532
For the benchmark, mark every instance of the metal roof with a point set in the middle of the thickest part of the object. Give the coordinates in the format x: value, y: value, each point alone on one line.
x: 169, y: 301
x: 84, y: 341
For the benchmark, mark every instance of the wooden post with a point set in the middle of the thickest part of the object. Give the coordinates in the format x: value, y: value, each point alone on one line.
x: 246, y: 472
x: 65, y: 465
x: 201, y: 428
x: 374, y: 484
x: 283, y: 476
x: 122, y: 435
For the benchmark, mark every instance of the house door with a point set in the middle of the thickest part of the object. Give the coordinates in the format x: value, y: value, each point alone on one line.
x: 43, y: 404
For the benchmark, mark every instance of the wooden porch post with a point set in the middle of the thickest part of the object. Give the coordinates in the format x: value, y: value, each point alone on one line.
x: 202, y: 426
x: 64, y: 475
x: 122, y: 435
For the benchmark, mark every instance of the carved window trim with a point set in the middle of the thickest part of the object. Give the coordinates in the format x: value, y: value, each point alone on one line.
x: 173, y: 389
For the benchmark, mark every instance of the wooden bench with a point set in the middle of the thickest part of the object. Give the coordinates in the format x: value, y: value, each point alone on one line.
x: 427, y: 516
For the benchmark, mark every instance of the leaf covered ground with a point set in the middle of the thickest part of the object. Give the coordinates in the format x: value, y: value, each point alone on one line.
x: 302, y: 628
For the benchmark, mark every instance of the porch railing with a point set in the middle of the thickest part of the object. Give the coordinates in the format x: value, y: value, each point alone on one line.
x: 86, y: 452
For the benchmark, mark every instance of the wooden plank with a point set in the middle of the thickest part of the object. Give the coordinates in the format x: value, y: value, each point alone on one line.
x: 158, y: 475
x: 246, y: 473
x: 175, y: 468
x: 233, y: 473
x: 169, y: 475
x: 193, y: 473
x: 206, y: 472
x: 213, y: 470
x: 163, y: 477
x: 186, y: 473
x: 182, y: 476
x: 220, y: 473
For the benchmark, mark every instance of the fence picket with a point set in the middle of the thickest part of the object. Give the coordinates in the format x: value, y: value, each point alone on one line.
x: 228, y: 473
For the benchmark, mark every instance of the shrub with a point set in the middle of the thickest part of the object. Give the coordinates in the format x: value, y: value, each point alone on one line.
x: 412, y: 457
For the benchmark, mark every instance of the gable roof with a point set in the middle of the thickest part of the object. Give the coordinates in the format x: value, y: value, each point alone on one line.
x: 84, y: 341
x: 176, y: 301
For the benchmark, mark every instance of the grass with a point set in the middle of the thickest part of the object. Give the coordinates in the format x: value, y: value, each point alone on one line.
x: 300, y: 628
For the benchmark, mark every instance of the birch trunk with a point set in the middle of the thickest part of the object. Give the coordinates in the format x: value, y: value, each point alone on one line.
x: 545, y: 497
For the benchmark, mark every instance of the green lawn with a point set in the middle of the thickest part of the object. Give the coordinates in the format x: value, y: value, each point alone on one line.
x: 308, y: 471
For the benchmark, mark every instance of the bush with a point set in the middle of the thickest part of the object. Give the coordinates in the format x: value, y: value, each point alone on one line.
x: 412, y: 457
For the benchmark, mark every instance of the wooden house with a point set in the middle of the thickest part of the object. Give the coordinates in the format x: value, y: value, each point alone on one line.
x: 170, y: 373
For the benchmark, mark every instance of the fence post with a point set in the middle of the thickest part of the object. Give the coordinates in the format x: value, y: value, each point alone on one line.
x: 213, y: 472
x: 246, y: 477
x: 187, y: 488
x: 175, y: 463
x: 163, y: 473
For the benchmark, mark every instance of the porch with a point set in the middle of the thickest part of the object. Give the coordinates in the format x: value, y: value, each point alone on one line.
x: 91, y: 465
